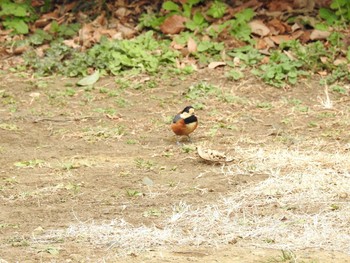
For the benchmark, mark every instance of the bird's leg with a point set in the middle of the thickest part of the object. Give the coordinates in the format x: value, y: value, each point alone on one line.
x: 189, y: 138
x: 178, y: 141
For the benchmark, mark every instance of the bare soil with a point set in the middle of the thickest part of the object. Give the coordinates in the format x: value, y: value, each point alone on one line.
x: 77, y: 156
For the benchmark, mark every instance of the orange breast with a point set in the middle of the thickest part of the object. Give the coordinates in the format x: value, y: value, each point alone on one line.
x: 180, y: 128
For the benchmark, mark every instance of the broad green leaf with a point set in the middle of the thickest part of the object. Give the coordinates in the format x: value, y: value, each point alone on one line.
x: 337, y: 4
x: 170, y: 6
x: 193, y: 2
x: 245, y: 16
x: 198, y: 18
x: 322, y: 27
x: 187, y: 10
x: 328, y: 15
x: 14, y: 9
x: 17, y: 24
x: 89, y: 80
x: 203, y: 46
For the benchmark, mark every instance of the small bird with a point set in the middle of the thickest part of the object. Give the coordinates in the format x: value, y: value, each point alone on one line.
x: 185, y: 122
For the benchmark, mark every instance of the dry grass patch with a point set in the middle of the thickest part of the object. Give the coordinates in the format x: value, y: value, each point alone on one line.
x: 303, y: 203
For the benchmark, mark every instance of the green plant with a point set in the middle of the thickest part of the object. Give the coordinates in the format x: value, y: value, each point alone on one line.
x: 133, y: 193
x: 201, y: 89
x: 110, y: 56
x: 185, y: 9
x: 30, y: 163
x: 16, y: 15
x: 144, y: 164
x: 234, y: 74
x: 247, y: 55
x: 73, y: 187
x: 280, y: 71
x: 239, y: 27
x: 264, y: 105
x: 217, y: 9
x: 339, y: 89
x: 338, y: 14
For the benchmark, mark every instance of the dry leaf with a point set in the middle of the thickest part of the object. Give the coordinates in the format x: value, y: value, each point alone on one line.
x: 278, y: 26
x: 127, y: 32
x: 340, y: 61
x: 215, y: 64
x: 213, y: 155
x: 278, y: 5
x: 269, y: 42
x: 173, y: 24
x: 324, y: 60
x: 236, y: 61
x: 290, y: 55
x: 176, y: 45
x: 191, y: 45
x: 297, y: 34
x: 295, y: 27
x: 319, y: 35
x: 261, y: 44
x: 259, y: 28
x: 71, y: 43
x: 322, y: 73
x: 265, y: 60
x: 280, y: 38
x: 101, y: 20
x: 122, y: 12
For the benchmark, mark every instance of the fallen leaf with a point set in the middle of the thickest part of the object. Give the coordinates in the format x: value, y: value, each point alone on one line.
x: 215, y: 64
x: 265, y: 60
x: 261, y: 44
x: 340, y: 61
x: 280, y: 38
x: 278, y: 5
x: 324, y: 59
x: 278, y: 26
x: 176, y: 46
x: 70, y: 43
x: 126, y: 31
x: 322, y: 73
x: 259, y: 28
x: 191, y: 45
x: 236, y: 61
x: 290, y: 55
x: 297, y: 34
x: 89, y: 80
x: 269, y: 42
x: 319, y: 35
x: 173, y: 24
x: 295, y: 27
x: 213, y: 155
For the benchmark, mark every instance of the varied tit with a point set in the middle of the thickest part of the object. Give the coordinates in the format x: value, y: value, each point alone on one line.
x: 185, y: 122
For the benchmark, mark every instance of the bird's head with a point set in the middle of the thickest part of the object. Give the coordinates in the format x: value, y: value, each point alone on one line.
x: 187, y: 112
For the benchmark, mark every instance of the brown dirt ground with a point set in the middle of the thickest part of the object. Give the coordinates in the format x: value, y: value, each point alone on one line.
x: 97, y: 144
